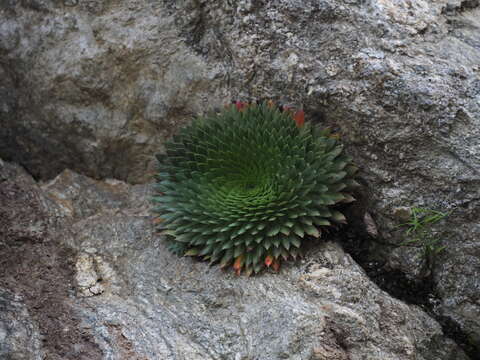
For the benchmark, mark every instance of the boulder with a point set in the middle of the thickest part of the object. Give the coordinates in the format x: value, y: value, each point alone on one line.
x: 113, y: 291
x: 97, y: 87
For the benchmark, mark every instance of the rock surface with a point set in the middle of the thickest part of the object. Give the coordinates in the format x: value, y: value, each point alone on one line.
x: 37, y: 317
x: 131, y: 299
x: 19, y: 337
x: 97, y: 87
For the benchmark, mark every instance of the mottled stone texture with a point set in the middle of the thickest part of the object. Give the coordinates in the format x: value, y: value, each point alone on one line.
x: 119, y: 294
x: 96, y: 86
x: 19, y: 337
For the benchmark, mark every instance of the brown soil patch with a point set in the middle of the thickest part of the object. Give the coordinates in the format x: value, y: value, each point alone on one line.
x: 41, y: 271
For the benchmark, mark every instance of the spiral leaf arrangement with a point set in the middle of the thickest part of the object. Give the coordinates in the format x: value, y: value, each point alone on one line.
x: 247, y: 186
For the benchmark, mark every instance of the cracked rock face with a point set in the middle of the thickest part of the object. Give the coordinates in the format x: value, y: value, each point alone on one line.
x: 98, y: 86
x: 132, y: 299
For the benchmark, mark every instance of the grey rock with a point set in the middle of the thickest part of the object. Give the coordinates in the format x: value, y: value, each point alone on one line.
x: 19, y: 336
x: 142, y: 302
x: 37, y: 318
x: 26, y: 214
x: 97, y: 87
x: 95, y: 83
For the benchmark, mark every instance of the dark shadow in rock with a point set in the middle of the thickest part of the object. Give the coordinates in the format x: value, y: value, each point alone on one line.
x: 422, y: 292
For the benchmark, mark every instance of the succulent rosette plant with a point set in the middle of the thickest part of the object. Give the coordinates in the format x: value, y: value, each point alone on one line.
x: 246, y: 187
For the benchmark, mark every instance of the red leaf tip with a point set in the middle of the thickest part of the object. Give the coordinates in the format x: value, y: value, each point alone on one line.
x: 299, y: 118
x: 237, y: 265
x: 240, y: 105
x: 268, y: 260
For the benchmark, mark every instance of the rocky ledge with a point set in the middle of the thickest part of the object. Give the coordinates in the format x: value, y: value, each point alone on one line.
x: 85, y: 276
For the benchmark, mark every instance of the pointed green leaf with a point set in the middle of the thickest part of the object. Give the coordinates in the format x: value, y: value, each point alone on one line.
x: 299, y: 231
x: 191, y: 252
x: 295, y: 241
x: 312, y: 231
x: 274, y: 230
x: 339, y: 217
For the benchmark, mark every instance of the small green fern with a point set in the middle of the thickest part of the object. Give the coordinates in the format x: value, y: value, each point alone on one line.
x: 420, y: 233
